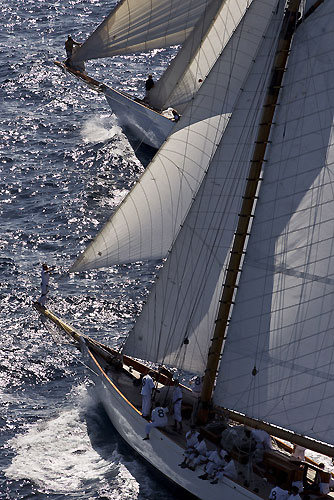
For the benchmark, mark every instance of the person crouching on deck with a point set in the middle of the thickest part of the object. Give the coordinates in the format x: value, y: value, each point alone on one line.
x: 198, y: 456
x: 159, y: 419
x: 192, y: 442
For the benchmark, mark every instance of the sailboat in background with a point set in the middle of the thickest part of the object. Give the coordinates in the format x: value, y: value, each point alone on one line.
x: 203, y: 28
x: 240, y: 204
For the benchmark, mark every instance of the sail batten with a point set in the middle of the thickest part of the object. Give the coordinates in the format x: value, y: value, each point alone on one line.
x: 282, y: 320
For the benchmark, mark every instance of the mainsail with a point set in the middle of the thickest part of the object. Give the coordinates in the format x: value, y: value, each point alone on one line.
x: 277, y: 362
x: 148, y: 221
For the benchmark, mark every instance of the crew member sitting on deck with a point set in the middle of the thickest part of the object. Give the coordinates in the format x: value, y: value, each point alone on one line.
x: 159, y: 419
x: 198, y: 456
x: 216, y: 462
x: 278, y: 493
x: 192, y: 441
x: 294, y: 494
x: 229, y: 470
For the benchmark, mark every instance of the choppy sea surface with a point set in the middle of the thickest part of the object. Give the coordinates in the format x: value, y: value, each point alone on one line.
x: 65, y: 164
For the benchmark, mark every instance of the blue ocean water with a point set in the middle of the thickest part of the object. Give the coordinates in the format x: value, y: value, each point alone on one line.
x: 65, y: 164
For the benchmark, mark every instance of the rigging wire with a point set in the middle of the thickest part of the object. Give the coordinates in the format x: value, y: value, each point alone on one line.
x: 199, y: 291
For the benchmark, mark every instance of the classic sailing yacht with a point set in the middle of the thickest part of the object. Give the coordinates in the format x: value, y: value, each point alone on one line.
x: 242, y: 211
x: 203, y: 27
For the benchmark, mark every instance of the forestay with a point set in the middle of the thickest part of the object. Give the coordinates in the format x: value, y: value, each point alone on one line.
x: 177, y: 321
x: 147, y: 222
x: 282, y: 322
x: 136, y: 25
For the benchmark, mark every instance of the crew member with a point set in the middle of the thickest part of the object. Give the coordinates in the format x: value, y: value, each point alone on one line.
x: 69, y: 44
x: 147, y: 385
x: 159, y: 419
x: 45, y: 277
x: 149, y: 84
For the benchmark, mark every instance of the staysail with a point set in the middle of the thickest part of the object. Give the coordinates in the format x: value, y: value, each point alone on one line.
x: 209, y: 28
x: 177, y: 321
x: 277, y: 362
x: 139, y: 25
x: 198, y: 54
x: 147, y: 222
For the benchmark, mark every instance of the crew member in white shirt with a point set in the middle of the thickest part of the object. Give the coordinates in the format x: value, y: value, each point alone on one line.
x: 192, y: 442
x: 263, y: 439
x: 159, y: 419
x: 229, y: 470
x: 147, y: 385
x: 216, y: 461
x: 198, y: 456
x: 298, y: 453
x: 196, y: 383
x: 278, y: 493
x: 294, y: 494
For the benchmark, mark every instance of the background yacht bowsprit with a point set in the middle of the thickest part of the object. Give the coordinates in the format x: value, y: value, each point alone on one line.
x: 202, y: 28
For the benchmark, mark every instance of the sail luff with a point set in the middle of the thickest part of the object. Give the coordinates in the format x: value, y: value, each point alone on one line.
x: 170, y: 80
x: 233, y: 270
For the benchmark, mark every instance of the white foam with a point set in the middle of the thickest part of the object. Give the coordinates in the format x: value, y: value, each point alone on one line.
x: 57, y: 455
x: 100, y: 128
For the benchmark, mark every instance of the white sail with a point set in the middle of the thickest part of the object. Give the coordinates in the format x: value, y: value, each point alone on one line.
x: 136, y: 25
x: 282, y: 323
x: 198, y: 54
x: 147, y: 222
x: 176, y: 323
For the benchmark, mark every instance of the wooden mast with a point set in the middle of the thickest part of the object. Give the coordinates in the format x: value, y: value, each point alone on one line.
x: 253, y: 181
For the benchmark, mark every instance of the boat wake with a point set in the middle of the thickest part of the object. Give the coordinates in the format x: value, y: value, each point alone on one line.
x: 100, y: 129
x: 57, y: 455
